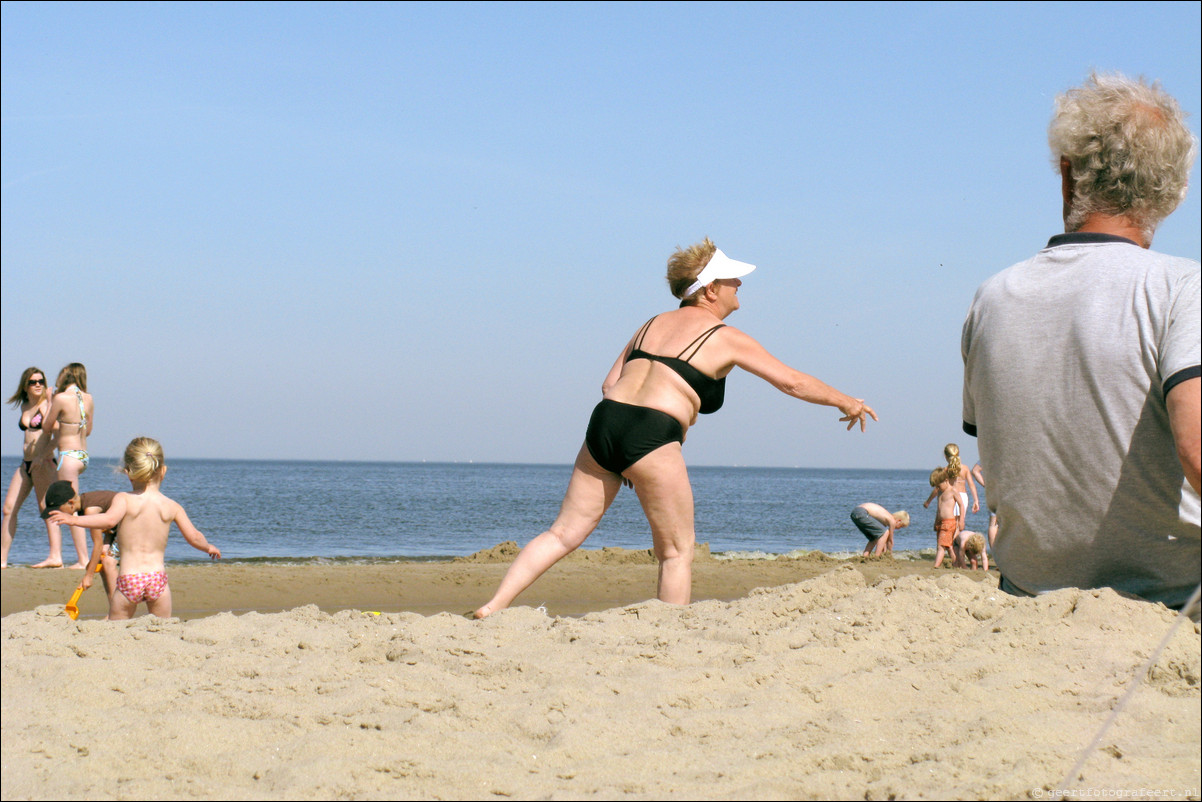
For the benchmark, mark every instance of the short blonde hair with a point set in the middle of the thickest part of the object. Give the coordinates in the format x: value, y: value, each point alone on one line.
x: 902, y: 517
x: 938, y: 475
x: 685, y: 265
x: 975, y: 546
x: 143, y: 461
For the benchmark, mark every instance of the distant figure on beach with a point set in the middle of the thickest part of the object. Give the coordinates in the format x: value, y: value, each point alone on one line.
x: 979, y: 475
x: 33, y: 397
x: 143, y: 519
x: 1082, y: 377
x: 970, y: 550
x: 878, y: 525
x: 949, y: 512
x: 61, y: 497
x: 66, y: 428
x: 673, y: 368
x: 959, y: 477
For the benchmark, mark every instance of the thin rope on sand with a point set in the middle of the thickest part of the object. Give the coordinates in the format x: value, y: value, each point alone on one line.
x: 1135, y: 683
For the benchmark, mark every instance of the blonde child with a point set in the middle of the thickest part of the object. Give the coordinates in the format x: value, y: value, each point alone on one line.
x: 878, y: 525
x: 970, y: 550
x: 960, y: 477
x: 947, y: 522
x: 143, y: 519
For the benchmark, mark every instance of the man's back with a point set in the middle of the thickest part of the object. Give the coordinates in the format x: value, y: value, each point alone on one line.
x: 1066, y: 360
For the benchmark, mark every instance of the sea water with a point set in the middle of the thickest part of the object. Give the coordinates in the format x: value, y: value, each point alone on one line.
x: 295, y: 511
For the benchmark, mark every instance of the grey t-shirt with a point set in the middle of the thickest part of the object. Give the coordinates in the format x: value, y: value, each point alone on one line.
x: 1067, y: 360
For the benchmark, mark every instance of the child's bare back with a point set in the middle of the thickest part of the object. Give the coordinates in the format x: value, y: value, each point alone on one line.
x: 142, y: 533
x: 143, y: 519
x: 949, y: 499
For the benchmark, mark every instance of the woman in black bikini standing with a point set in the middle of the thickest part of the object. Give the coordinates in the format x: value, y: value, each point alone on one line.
x: 33, y: 396
x: 651, y: 398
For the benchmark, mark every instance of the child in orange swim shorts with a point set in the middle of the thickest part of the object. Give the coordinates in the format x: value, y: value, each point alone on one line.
x: 947, y: 521
x: 143, y: 519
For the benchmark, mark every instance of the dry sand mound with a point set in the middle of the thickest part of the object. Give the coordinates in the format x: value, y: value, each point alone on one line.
x: 915, y: 687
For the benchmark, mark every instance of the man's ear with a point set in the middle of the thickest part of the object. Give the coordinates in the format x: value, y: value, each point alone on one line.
x: 1066, y: 185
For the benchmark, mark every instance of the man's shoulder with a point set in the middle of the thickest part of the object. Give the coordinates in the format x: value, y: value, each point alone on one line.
x: 1154, y: 265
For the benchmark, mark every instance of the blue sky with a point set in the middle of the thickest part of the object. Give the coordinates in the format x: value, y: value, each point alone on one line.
x: 424, y: 232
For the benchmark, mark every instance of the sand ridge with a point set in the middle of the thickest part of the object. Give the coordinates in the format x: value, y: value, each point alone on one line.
x: 913, y: 686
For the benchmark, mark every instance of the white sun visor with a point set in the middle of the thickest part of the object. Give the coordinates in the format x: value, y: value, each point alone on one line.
x: 719, y: 266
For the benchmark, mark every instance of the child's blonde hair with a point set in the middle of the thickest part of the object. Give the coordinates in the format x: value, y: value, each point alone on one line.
x: 902, y: 517
x: 952, y: 452
x: 975, y: 546
x: 938, y: 475
x: 143, y: 460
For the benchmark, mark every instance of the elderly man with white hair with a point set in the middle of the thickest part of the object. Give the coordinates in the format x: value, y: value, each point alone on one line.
x: 1081, y: 364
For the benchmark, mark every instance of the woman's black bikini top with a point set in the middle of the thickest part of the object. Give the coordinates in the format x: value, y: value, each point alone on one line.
x: 35, y: 422
x: 711, y: 391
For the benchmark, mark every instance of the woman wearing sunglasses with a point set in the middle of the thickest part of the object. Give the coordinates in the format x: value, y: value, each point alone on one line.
x: 33, y: 397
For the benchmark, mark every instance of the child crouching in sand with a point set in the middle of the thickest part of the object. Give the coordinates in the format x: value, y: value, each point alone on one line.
x: 970, y: 550
x: 61, y: 497
x: 143, y: 519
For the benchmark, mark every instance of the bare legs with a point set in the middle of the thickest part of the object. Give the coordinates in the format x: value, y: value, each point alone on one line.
x: 590, y: 492
x: 662, y: 484
x: 18, y: 491
x: 19, y: 488
x: 121, y: 608
x: 70, y: 468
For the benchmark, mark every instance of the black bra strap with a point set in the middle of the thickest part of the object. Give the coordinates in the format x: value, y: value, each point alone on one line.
x: 642, y: 334
x: 700, y: 341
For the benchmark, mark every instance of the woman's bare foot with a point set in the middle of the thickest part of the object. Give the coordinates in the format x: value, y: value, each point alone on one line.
x: 48, y: 563
x: 483, y: 612
x: 77, y: 567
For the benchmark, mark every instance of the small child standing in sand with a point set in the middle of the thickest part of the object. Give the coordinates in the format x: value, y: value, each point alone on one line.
x: 143, y: 519
x: 960, y: 477
x: 949, y: 513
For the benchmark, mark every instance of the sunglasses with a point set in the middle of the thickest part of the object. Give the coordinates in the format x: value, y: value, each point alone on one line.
x: 32, y: 382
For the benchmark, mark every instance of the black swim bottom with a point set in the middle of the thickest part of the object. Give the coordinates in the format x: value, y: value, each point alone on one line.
x: 619, y: 435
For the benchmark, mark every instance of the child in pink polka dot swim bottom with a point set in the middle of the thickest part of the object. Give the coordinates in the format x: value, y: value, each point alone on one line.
x: 143, y: 518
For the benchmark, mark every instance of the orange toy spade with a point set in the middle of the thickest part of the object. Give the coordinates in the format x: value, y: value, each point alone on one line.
x: 72, y: 608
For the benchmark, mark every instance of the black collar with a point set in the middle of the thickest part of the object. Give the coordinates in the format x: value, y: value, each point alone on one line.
x: 1088, y: 238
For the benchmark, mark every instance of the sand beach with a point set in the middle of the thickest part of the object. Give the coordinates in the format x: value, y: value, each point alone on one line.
x: 805, y: 678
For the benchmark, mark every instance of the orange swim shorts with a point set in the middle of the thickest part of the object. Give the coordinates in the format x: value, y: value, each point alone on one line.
x: 945, y: 530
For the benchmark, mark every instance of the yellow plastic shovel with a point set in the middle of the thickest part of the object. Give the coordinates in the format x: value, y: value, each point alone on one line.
x: 72, y: 608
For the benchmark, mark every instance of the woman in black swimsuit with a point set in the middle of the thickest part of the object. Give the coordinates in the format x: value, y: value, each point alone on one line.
x: 673, y: 368
x: 33, y: 397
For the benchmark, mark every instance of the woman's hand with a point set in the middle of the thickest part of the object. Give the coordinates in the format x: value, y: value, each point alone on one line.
x: 856, y: 411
